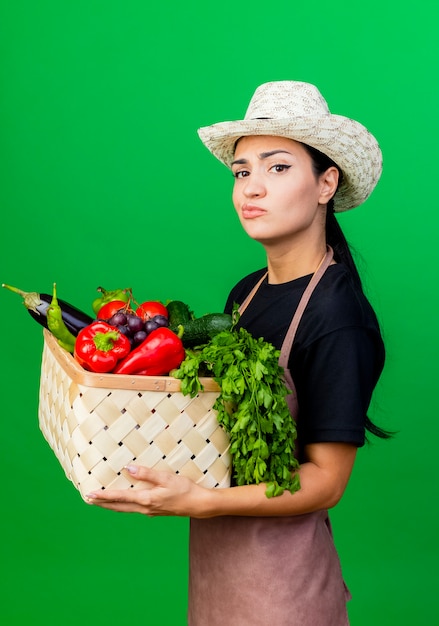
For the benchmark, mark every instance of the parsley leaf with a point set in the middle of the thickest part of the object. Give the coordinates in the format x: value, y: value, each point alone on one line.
x: 251, y: 406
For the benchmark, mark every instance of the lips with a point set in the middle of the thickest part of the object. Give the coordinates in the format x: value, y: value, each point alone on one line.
x: 250, y: 211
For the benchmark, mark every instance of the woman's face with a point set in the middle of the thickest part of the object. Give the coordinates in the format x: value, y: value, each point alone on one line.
x: 276, y: 194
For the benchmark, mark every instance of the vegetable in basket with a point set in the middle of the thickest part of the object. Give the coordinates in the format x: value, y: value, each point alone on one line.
x: 252, y: 406
x: 108, y: 296
x: 100, y: 346
x: 196, y: 330
x: 178, y: 313
x: 161, y: 352
x: 38, y: 304
x: 111, y: 308
x: 200, y: 330
x: 149, y: 310
x: 56, y: 325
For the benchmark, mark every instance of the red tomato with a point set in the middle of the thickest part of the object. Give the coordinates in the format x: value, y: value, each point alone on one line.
x: 110, y: 308
x: 148, y: 310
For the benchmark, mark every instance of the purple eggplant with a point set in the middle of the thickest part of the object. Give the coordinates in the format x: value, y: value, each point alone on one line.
x: 38, y: 303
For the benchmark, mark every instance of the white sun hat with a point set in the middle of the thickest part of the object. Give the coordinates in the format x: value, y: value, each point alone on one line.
x: 298, y: 111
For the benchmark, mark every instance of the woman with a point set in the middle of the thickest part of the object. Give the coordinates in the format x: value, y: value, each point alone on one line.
x: 255, y: 560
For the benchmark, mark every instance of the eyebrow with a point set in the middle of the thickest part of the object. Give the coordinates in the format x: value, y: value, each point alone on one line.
x: 263, y: 155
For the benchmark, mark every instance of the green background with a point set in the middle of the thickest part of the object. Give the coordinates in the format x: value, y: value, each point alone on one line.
x: 105, y: 182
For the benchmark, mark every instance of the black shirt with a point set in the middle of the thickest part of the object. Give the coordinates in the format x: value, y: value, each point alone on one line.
x: 337, y: 355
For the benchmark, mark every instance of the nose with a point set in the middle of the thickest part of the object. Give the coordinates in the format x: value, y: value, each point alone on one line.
x: 254, y: 186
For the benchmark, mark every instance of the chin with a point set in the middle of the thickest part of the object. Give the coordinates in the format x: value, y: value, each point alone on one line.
x: 258, y: 232
x: 262, y: 236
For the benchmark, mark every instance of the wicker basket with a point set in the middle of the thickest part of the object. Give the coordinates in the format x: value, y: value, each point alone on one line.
x: 96, y: 424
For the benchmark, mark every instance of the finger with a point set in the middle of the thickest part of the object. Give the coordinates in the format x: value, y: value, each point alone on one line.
x: 118, y: 507
x: 147, y: 474
x: 128, y: 500
x: 102, y: 496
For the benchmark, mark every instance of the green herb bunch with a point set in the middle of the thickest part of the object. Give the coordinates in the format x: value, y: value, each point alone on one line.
x: 251, y: 406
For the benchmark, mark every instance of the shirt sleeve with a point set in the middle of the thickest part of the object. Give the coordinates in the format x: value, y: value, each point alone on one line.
x: 334, y: 386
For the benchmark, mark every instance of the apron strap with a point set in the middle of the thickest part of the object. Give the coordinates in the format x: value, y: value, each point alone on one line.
x: 289, y: 337
x: 248, y: 299
x: 291, y: 332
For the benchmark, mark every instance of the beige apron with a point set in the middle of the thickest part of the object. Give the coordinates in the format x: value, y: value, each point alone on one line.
x: 259, y: 571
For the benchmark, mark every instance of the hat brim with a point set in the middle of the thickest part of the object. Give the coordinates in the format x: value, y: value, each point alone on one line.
x: 347, y: 142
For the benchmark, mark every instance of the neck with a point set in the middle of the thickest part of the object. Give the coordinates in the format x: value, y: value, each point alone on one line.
x: 296, y: 261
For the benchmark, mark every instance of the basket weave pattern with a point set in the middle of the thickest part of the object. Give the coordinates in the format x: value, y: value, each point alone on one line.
x: 96, y: 430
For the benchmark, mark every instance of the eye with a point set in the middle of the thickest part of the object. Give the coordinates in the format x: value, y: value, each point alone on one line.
x: 280, y: 167
x: 241, y: 174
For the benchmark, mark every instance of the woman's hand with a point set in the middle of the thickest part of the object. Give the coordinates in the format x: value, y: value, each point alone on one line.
x: 323, y: 479
x: 163, y: 493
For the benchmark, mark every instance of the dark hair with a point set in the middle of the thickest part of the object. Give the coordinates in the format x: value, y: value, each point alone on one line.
x: 342, y: 250
x: 334, y: 234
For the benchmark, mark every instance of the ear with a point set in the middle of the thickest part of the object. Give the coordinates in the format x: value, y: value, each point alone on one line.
x: 328, y: 184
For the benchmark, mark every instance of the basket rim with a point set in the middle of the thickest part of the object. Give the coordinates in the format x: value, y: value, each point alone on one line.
x: 115, y: 381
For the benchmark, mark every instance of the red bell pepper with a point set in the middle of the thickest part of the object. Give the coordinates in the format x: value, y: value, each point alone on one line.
x: 157, y: 355
x: 100, y: 346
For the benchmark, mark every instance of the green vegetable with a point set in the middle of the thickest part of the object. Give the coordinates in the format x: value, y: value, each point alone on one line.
x: 56, y: 325
x: 202, y: 329
x: 107, y: 295
x: 251, y: 406
x: 178, y: 313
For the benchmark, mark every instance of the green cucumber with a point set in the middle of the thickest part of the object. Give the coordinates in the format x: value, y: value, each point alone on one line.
x: 179, y: 313
x: 200, y: 330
